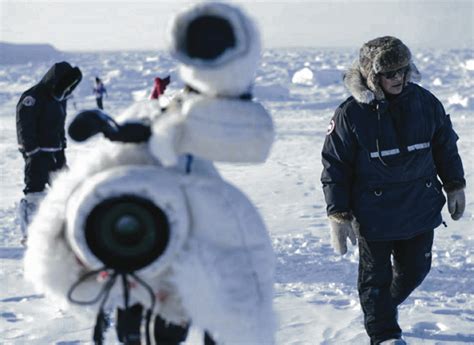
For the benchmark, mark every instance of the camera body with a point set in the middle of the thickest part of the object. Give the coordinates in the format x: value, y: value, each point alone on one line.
x: 159, y: 208
x: 150, y: 197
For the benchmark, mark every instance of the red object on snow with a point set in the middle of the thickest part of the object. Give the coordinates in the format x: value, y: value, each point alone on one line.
x: 159, y: 87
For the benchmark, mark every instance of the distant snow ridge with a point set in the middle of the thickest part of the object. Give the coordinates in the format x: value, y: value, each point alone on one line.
x: 11, y: 53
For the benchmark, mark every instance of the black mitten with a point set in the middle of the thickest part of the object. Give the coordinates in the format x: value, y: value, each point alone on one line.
x: 90, y: 122
x: 130, y: 132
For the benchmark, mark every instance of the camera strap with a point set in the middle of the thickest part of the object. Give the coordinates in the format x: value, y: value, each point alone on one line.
x: 129, y: 336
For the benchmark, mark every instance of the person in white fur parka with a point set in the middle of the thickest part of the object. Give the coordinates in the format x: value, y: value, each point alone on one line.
x: 209, y: 259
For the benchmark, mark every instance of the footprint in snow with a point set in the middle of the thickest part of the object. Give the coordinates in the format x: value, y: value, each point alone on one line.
x: 10, y: 317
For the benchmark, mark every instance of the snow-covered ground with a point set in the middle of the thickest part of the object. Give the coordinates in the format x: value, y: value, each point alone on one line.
x: 316, y: 297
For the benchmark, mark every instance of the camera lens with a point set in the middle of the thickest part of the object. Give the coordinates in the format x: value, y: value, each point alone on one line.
x: 127, y: 233
x: 128, y: 229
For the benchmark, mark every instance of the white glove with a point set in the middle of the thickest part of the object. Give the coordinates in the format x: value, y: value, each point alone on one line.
x: 456, y: 203
x: 340, y: 231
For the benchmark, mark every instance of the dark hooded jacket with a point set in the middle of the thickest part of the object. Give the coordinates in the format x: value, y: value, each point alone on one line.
x: 383, y: 161
x: 40, y: 117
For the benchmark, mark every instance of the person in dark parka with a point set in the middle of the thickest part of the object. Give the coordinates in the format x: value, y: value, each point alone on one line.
x: 40, y: 120
x: 389, y: 152
x: 99, y: 90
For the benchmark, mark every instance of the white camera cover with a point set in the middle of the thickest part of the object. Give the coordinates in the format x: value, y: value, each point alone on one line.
x: 217, y: 129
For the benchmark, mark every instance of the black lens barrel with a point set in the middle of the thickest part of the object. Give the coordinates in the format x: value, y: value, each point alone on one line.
x: 127, y: 233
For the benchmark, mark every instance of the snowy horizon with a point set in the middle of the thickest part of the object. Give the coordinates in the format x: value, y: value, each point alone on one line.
x: 354, y: 47
x: 81, y: 26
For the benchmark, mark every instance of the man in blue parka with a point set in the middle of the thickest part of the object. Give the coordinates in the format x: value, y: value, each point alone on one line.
x: 40, y: 119
x: 389, y: 152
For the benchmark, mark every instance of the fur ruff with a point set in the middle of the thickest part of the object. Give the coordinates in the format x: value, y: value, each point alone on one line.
x: 230, y: 74
x: 367, y: 91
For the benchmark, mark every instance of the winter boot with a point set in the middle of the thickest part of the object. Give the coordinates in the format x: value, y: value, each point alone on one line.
x: 26, y: 210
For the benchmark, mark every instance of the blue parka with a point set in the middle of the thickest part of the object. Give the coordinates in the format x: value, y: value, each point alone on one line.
x: 40, y: 118
x: 383, y: 161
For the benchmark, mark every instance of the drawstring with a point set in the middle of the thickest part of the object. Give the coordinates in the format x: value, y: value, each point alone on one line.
x: 379, y: 134
x: 102, y: 321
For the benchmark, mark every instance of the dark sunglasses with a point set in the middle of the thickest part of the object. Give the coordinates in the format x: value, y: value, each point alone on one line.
x: 392, y: 74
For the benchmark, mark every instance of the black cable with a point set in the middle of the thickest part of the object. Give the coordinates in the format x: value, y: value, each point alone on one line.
x: 80, y: 281
x: 126, y: 292
x: 147, y: 287
x: 150, y: 310
x: 99, y: 328
x: 101, y: 322
x: 147, y: 326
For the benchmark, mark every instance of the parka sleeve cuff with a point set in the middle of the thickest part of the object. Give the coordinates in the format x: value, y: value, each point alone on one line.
x: 454, y: 185
x: 341, y: 217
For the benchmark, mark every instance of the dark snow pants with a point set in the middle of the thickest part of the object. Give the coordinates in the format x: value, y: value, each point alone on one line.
x: 99, y: 103
x: 383, y: 286
x: 38, y: 168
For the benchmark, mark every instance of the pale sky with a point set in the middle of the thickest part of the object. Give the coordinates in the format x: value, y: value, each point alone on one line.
x: 123, y: 25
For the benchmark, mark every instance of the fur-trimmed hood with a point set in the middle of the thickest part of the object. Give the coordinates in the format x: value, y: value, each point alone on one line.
x: 379, y: 55
x: 218, y: 47
x: 356, y: 84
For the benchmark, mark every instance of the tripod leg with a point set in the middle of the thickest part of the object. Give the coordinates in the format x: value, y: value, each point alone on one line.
x: 208, y: 339
x: 169, y: 334
x: 128, y: 324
